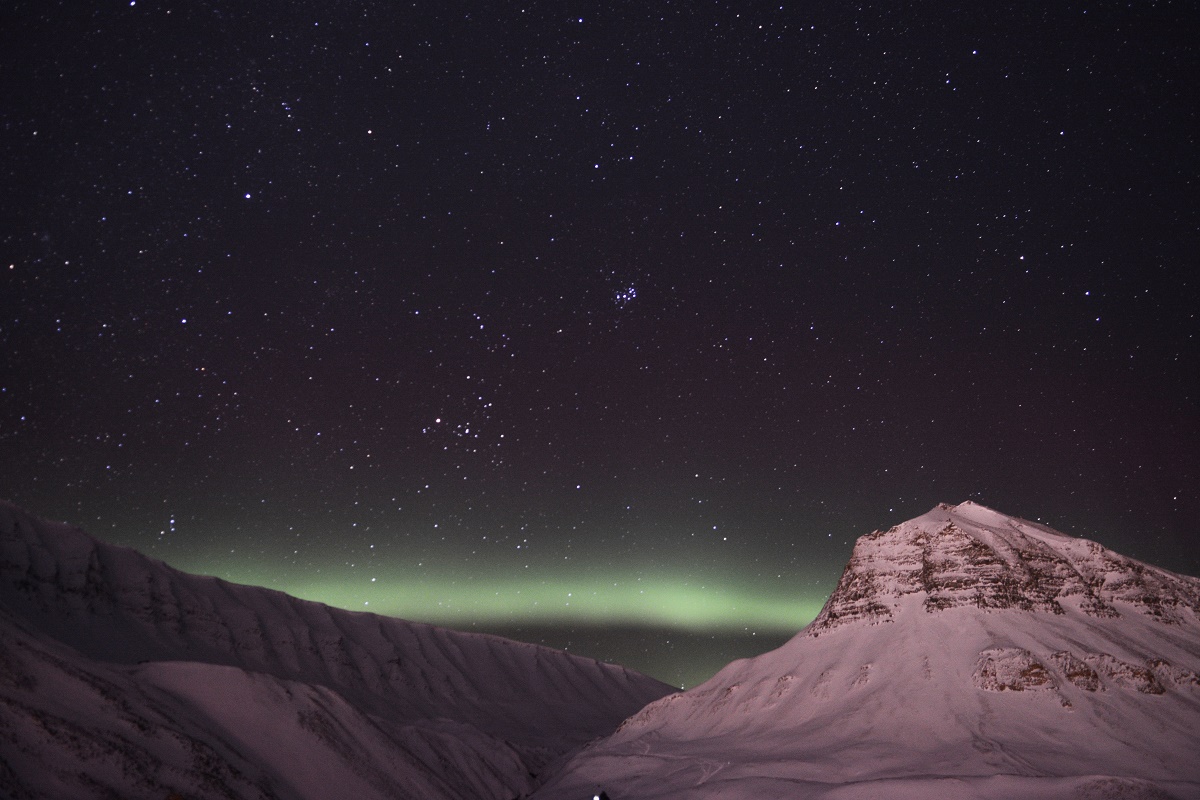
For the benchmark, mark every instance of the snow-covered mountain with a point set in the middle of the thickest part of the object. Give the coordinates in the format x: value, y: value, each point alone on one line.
x: 964, y: 654
x: 120, y: 676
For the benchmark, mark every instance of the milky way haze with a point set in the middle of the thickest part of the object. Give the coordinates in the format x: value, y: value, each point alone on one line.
x: 596, y: 322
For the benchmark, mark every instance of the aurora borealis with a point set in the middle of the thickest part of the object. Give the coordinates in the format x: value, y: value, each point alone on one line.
x: 658, y: 601
x: 603, y: 325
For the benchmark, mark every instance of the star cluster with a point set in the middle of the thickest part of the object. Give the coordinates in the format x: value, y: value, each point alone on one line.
x: 533, y: 316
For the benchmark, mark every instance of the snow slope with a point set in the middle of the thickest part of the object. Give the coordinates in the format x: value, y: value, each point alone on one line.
x: 122, y: 676
x: 964, y: 654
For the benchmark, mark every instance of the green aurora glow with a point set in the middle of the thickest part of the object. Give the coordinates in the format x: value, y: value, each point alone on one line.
x: 635, y: 600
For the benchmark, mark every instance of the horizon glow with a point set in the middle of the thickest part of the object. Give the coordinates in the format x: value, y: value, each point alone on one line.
x: 629, y: 599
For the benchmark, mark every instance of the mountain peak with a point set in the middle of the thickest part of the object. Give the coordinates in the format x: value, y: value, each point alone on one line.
x: 1015, y: 661
x: 971, y: 555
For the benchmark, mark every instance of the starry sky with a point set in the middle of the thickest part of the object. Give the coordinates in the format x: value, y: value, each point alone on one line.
x: 604, y: 325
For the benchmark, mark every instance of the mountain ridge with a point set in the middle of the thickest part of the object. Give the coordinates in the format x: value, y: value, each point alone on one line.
x: 106, y: 622
x: 964, y: 654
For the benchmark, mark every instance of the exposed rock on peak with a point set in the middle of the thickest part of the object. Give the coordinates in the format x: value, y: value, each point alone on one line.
x: 970, y: 555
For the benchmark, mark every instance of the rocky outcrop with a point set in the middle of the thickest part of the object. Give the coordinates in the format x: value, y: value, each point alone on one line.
x: 1015, y: 669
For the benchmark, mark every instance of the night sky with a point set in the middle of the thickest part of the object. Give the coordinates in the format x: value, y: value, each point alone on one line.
x: 604, y: 325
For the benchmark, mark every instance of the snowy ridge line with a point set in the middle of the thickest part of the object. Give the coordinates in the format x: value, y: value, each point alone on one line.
x: 116, y: 605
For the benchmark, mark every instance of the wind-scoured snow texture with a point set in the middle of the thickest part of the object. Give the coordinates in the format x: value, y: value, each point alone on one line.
x: 964, y: 654
x: 120, y: 676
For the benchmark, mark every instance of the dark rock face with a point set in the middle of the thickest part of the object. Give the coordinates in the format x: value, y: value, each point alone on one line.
x: 1011, y: 669
x: 1014, y: 669
x: 969, y: 556
x: 1077, y: 671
